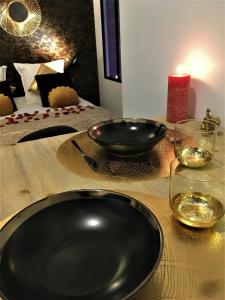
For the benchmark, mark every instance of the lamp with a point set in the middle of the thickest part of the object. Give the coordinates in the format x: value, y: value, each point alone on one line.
x: 20, y: 17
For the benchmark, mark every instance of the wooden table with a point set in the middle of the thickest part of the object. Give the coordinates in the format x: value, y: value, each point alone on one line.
x: 193, y: 261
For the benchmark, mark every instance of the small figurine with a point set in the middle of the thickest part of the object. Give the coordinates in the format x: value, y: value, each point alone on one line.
x: 215, y: 120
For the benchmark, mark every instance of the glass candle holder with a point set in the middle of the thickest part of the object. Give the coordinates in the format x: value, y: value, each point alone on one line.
x: 194, y: 144
x: 197, y: 196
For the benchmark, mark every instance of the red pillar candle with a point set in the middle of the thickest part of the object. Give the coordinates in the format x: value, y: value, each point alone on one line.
x: 177, y: 99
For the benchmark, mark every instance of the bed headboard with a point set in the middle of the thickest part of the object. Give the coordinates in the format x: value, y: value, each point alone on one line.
x: 66, y: 31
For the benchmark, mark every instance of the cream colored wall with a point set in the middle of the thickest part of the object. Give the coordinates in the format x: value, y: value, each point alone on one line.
x: 110, y: 91
x: 158, y: 35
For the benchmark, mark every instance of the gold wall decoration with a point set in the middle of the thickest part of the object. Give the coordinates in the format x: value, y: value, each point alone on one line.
x: 20, y: 17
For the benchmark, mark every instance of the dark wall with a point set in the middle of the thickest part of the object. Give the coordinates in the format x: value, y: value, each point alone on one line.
x: 67, y: 29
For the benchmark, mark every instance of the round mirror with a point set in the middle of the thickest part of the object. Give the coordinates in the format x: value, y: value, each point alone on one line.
x: 18, y: 12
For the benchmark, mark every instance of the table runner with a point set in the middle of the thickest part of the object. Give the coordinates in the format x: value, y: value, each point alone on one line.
x: 80, y: 117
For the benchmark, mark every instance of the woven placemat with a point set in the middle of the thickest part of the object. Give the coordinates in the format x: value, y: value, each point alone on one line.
x: 154, y: 164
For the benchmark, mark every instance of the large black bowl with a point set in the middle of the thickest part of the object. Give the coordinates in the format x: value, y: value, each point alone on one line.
x: 127, y: 137
x: 79, y: 245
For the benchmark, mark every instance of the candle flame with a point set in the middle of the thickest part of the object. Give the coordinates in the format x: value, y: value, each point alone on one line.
x: 180, y: 69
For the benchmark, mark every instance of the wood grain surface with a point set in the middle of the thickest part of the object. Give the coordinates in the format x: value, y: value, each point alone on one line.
x: 193, y: 261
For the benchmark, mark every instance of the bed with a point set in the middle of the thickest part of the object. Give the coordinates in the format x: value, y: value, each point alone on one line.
x: 32, y: 112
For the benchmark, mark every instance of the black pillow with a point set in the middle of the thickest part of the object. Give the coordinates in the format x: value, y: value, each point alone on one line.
x: 5, y: 89
x: 49, y: 81
x: 14, y: 79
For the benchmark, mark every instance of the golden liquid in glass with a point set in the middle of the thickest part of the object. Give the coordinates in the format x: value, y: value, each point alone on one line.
x: 193, y: 157
x: 196, y: 209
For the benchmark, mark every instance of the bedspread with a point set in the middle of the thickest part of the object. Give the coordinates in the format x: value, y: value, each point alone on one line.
x: 80, y: 117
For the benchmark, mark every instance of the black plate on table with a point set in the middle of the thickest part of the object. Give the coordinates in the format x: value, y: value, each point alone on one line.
x: 79, y: 245
x: 128, y: 136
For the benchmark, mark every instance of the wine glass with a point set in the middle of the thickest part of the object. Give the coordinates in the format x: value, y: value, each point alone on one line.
x: 197, y: 196
x: 194, y: 142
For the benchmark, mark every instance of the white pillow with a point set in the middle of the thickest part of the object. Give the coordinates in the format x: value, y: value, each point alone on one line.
x: 28, y: 72
x: 3, y: 73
